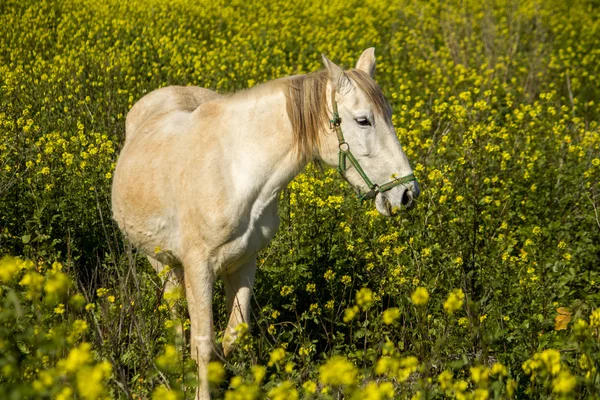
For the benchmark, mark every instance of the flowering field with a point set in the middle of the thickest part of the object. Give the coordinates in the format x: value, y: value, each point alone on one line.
x: 488, y: 288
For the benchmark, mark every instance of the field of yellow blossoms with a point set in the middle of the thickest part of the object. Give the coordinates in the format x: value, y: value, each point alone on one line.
x: 487, y: 289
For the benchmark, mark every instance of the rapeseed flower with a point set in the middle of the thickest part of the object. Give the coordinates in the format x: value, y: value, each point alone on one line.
x: 216, y: 372
x: 390, y: 315
x: 77, y: 358
x: 445, y: 380
x: 310, y: 387
x: 276, y: 356
x: 350, y: 313
x: 364, y: 298
x: 455, y: 301
x: 338, y: 371
x: 284, y: 391
x: 8, y: 268
x: 564, y: 383
x: 164, y: 393
x: 90, y: 380
x: 420, y: 296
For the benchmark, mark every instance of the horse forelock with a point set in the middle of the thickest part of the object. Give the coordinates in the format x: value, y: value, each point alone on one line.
x: 307, y: 108
x: 373, y: 92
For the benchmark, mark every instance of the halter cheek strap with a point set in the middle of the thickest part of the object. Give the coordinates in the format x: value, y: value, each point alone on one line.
x: 345, y: 154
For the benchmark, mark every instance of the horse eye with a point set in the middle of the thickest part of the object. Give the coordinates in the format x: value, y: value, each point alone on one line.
x: 363, y: 122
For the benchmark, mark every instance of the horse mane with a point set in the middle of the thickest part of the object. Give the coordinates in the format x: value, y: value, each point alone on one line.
x: 308, y: 112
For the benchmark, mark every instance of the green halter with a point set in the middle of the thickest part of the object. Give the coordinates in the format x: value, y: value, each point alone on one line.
x: 346, y: 154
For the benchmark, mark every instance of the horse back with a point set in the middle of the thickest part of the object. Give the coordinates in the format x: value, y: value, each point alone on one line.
x: 163, y: 101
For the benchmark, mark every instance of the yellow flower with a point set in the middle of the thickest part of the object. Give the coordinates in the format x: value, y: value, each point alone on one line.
x: 77, y: 358
x: 285, y: 391
x: 480, y: 394
x: 455, y: 301
x: 311, y: 287
x: 390, y: 315
x: 373, y: 391
x: 33, y: 281
x: 163, y: 393
x: 289, y: 367
x: 276, y: 355
x: 78, y: 328
x: 595, y: 318
x: 364, y: 298
x: 350, y: 313
x: 445, y: 380
x: 216, y: 372
x: 479, y: 375
x: 329, y: 275
x: 310, y: 386
x: 551, y: 359
x: 338, y: 371
x: 420, y: 296
x: 408, y: 365
x: 8, y: 268
x: 169, y: 359
x: 65, y: 394
x: 287, y: 290
x: 499, y: 369
x: 90, y: 380
x: 258, y: 373
x: 564, y: 383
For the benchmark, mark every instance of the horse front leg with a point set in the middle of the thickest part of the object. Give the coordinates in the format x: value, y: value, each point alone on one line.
x: 238, y: 289
x: 199, y: 285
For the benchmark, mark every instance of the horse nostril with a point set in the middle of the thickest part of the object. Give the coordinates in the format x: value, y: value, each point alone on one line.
x: 407, y: 198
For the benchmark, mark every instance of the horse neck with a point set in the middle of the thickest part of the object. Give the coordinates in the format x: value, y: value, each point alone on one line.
x: 265, y: 158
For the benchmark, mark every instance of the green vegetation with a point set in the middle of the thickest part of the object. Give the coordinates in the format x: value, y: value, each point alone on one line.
x: 488, y: 288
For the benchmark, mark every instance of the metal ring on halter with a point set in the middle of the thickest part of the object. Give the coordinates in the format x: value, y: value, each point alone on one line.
x: 347, y: 147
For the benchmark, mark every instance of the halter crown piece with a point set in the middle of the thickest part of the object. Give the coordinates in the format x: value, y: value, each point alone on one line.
x: 345, y: 154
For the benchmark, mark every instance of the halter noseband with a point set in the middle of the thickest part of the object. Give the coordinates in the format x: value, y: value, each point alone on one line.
x: 345, y: 153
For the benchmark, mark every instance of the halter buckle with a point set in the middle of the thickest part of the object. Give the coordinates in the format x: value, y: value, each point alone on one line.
x: 370, y: 194
x: 335, y: 122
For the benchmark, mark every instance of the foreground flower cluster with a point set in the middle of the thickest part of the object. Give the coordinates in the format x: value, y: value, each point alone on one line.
x: 488, y: 288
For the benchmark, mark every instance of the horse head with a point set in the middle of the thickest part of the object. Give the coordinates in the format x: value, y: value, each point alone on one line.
x: 366, y: 151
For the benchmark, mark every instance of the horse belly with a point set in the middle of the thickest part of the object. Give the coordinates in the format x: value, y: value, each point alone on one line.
x: 141, y: 209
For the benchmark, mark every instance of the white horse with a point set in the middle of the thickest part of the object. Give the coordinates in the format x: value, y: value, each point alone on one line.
x: 197, y: 182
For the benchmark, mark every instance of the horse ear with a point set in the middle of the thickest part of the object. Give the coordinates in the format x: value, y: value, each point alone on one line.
x: 366, y: 62
x: 338, y: 78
